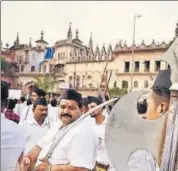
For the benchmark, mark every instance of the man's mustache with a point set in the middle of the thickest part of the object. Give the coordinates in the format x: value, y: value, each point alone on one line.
x: 44, y: 114
x: 66, y: 114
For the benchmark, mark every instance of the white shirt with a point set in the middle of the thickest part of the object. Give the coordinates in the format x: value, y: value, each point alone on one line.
x: 102, y: 156
x: 142, y: 160
x: 77, y: 148
x: 53, y: 114
x: 12, y: 144
x: 91, y: 120
x: 19, y: 107
x: 27, y: 113
x: 105, y: 113
x: 33, y: 132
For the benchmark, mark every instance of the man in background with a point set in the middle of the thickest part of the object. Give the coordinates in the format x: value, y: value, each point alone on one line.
x: 102, y: 159
x: 53, y: 111
x: 12, y: 137
x: 157, y: 105
x: 19, y: 107
x: 10, y: 114
x: 36, y: 127
x: 27, y: 112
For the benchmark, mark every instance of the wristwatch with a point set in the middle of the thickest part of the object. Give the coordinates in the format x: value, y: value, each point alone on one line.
x: 48, y: 168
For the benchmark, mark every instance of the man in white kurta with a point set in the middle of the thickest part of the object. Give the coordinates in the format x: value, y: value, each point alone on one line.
x: 77, y: 149
x: 12, y: 137
x: 12, y: 144
x: 53, y: 111
x: 99, y: 126
x: 37, y: 126
x: 19, y: 107
x: 27, y: 113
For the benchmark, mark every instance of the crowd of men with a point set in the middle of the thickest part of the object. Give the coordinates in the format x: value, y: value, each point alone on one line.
x: 35, y: 133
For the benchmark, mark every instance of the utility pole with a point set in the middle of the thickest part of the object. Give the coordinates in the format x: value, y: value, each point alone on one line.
x: 133, y: 46
x: 75, y: 75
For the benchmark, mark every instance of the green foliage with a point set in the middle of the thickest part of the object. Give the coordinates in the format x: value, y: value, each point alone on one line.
x: 46, y: 82
x: 4, y: 63
x: 113, y: 92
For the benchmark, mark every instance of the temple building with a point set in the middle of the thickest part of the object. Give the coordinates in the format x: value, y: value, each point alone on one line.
x: 86, y: 67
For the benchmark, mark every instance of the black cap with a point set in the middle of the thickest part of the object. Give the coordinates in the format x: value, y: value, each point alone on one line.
x: 53, y: 102
x: 41, y: 101
x: 29, y: 101
x: 92, y: 99
x: 85, y: 101
x: 39, y: 92
x: 162, y: 82
x: 71, y: 94
x: 4, y: 90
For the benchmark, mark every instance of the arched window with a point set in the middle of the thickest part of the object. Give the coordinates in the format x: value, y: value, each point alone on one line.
x: 146, y: 84
x: 124, y: 84
x: 90, y: 85
x: 115, y: 84
x: 78, y: 82
x: 32, y: 68
x: 70, y: 77
x: 89, y: 77
x: 135, y: 84
x: 44, y: 68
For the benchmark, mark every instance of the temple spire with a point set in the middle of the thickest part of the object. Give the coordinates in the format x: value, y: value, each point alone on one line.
x: 42, y: 34
x: 17, y: 39
x: 7, y: 45
x: 69, y: 33
x: 176, y: 30
x: 91, y: 41
x: 30, y: 43
x: 77, y: 33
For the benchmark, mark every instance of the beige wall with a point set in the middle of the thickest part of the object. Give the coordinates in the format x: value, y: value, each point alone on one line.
x: 62, y: 49
x: 95, y: 69
x: 119, y: 65
x: 42, y: 45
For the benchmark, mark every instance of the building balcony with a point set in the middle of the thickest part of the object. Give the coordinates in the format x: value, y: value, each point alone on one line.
x: 61, y: 74
x: 26, y: 61
x: 19, y: 62
x: 87, y: 89
x: 9, y: 73
x: 61, y: 61
x: 136, y: 73
x: 15, y: 74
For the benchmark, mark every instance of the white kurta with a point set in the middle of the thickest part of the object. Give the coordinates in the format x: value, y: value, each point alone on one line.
x: 27, y: 113
x: 33, y: 132
x: 19, y: 107
x: 77, y: 148
x: 53, y: 114
x: 102, y: 156
x: 12, y: 144
x: 142, y: 160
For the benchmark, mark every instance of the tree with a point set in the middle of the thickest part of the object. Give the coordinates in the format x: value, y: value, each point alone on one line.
x: 46, y: 83
x: 113, y: 92
x: 4, y: 63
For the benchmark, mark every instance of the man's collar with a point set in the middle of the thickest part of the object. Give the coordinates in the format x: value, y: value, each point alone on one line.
x: 32, y: 121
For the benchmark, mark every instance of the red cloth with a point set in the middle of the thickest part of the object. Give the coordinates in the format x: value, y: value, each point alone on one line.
x: 9, y: 114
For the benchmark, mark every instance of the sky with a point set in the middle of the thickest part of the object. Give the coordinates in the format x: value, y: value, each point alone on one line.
x: 109, y: 21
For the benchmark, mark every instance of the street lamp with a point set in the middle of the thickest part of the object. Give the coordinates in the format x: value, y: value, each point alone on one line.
x: 133, y: 45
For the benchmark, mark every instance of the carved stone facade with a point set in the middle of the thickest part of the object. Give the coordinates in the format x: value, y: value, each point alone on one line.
x: 82, y: 66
